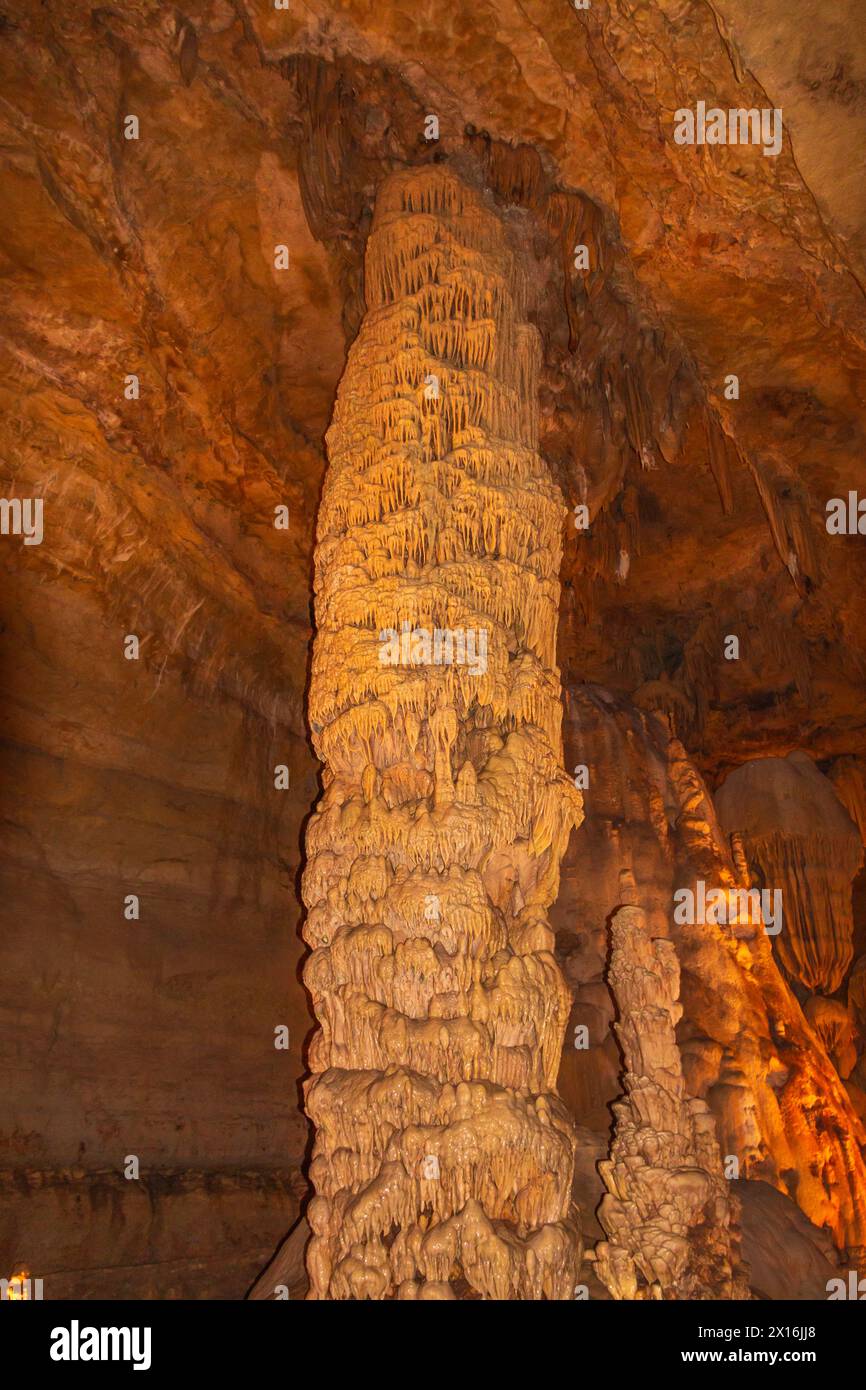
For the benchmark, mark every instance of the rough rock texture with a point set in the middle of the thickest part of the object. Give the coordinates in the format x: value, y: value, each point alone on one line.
x: 155, y: 777
x: 782, y: 1252
x: 780, y: 1105
x: 286, y: 1274
x: 650, y: 829
x: 176, y: 1233
x: 835, y: 1027
x: 154, y: 1036
x: 733, y: 263
x: 798, y: 839
x: 155, y: 258
x: 786, y: 1256
x: 441, y: 1153
x: 629, y: 811
x: 848, y: 776
x: 670, y: 1215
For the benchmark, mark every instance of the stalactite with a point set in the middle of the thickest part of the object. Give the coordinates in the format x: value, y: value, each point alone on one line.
x: 787, y: 515
x: 857, y: 993
x: 514, y: 172
x: 834, y: 1026
x: 669, y: 1214
x: 717, y: 455
x: 848, y: 776
x: 443, y: 1158
x: 799, y: 838
x: 780, y: 1105
x: 637, y: 414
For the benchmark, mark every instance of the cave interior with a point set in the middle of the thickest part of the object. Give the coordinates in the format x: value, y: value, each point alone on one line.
x: 432, y: 650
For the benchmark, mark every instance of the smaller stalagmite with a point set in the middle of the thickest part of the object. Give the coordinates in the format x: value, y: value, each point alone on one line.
x: 800, y: 841
x: 670, y: 1218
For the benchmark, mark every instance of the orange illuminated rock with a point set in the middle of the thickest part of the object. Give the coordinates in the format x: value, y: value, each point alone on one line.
x: 798, y: 836
x: 834, y: 1026
x: 782, y: 1112
x: 669, y: 1213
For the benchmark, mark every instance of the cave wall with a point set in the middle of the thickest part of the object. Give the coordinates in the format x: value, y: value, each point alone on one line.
x: 151, y: 1037
x: 158, y: 400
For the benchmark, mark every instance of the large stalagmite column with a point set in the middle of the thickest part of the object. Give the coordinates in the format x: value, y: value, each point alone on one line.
x: 443, y: 1158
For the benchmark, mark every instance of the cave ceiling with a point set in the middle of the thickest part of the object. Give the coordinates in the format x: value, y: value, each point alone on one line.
x: 261, y: 127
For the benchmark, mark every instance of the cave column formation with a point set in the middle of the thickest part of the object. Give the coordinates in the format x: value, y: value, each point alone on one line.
x: 670, y: 1214
x: 443, y: 1157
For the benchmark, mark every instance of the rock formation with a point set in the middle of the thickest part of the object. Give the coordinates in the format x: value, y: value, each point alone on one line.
x: 670, y: 1214
x: 442, y: 1153
x: 835, y: 1027
x: 848, y: 776
x: 207, y: 223
x: 798, y: 838
x: 781, y: 1108
x: 857, y: 993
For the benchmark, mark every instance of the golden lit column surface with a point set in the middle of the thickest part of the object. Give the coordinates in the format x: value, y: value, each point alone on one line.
x: 443, y: 1158
x: 670, y: 1214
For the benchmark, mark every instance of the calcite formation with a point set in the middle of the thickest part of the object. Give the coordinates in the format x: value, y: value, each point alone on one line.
x: 832, y: 1022
x: 443, y: 1158
x: 178, y: 305
x: 781, y: 1107
x: 848, y: 776
x: 799, y: 839
x: 857, y: 993
x: 669, y: 1212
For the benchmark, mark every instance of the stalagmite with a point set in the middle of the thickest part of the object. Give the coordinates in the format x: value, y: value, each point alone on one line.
x: 782, y: 1109
x: 669, y: 1214
x: 799, y: 839
x: 443, y: 1157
